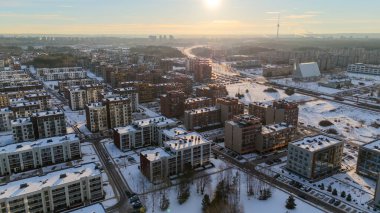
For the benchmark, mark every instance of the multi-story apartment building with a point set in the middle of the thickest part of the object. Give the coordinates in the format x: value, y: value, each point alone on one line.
x: 53, y: 192
x: 172, y: 104
x: 369, y: 160
x: 93, y: 92
x: 75, y: 82
x: 229, y: 107
x: 185, y: 152
x: 48, y: 124
x: 43, y: 99
x: 213, y: 91
x: 202, y: 118
x: 170, y: 134
x: 131, y: 93
x: 6, y: 116
x: 22, y: 130
x: 44, y: 152
x: 196, y: 103
x: 202, y: 70
x: 96, y: 117
x: 62, y: 73
x: 77, y: 98
x: 141, y: 133
x: 24, y: 109
x: 274, y: 137
x: 275, y: 112
x: 5, y: 97
x: 119, y: 111
x: 364, y: 68
x: 14, y: 86
x: 242, y: 133
x: 315, y: 157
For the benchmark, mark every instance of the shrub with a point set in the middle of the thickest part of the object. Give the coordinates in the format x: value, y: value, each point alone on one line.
x: 325, y: 123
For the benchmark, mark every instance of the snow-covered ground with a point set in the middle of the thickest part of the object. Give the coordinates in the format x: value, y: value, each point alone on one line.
x: 352, y: 123
x: 93, y: 76
x: 51, y: 84
x: 248, y: 203
x: 251, y: 72
x: 311, y: 86
x: 6, y: 138
x: 254, y: 92
x: 77, y: 118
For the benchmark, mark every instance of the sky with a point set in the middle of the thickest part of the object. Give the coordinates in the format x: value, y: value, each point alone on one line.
x: 189, y: 17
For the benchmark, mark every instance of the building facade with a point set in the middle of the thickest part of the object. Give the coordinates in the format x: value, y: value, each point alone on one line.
x: 22, y: 130
x: 229, y: 107
x: 61, y: 73
x: 96, y: 117
x: 369, y: 160
x: 77, y: 98
x: 6, y: 116
x: 202, y: 118
x: 119, y: 111
x: 364, y: 68
x: 48, y: 124
x: 172, y: 104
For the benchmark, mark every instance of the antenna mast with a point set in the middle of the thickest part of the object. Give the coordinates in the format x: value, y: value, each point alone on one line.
x: 278, y: 25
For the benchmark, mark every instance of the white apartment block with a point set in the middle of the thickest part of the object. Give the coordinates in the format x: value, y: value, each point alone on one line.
x: 49, y: 124
x: 23, y: 109
x: 141, y: 132
x: 62, y: 73
x: 22, y: 130
x: 315, y: 157
x: 364, y: 68
x: 96, y: 117
x: 6, y: 116
x: 77, y: 98
x: 53, y: 192
x: 44, y: 152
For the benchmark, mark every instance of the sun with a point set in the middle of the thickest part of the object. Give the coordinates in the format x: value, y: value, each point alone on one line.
x: 212, y: 4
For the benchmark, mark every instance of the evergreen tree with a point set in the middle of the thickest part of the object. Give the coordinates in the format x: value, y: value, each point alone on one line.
x: 334, y: 192
x: 205, y: 202
x: 329, y: 189
x: 348, y: 198
x: 164, y: 204
x: 343, y: 194
x: 290, y: 203
x: 322, y: 186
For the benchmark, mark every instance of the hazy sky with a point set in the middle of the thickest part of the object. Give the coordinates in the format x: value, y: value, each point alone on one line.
x: 189, y: 16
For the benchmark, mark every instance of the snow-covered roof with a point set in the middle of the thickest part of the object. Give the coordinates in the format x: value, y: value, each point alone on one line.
x: 315, y: 143
x: 274, y: 128
x: 192, y: 100
x: 28, y: 146
x: 157, y: 121
x: 54, y: 179
x: 19, y: 121
x: 186, y: 141
x: 125, y: 129
x: 202, y: 110
x: 374, y: 145
x: 47, y: 113
x: 307, y: 70
x: 154, y: 154
x: 96, y: 208
x: 173, y: 132
x: 5, y: 110
x: 22, y: 104
x: 95, y: 105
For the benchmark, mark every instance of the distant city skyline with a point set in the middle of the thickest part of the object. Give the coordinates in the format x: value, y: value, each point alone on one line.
x: 188, y: 17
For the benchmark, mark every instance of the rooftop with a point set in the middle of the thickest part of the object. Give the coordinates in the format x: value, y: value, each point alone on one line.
x: 315, y: 143
x: 185, y: 141
x: 274, y: 128
x: 202, y: 110
x: 20, y: 121
x: 47, y: 113
x: 37, y: 183
x: 173, y: 132
x: 374, y: 145
x: 191, y: 100
x: 154, y: 154
x: 28, y: 146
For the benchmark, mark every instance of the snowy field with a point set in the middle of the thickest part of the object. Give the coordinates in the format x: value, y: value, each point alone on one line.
x: 254, y: 92
x: 6, y: 138
x: 276, y: 203
x: 352, y: 123
x: 77, y: 118
x: 311, y: 86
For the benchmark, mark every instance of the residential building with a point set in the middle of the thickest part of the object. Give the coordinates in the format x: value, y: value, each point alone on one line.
x: 61, y: 73
x: 24, y: 109
x: 6, y: 116
x: 43, y: 99
x: 77, y: 98
x: 315, y: 157
x: 368, y: 163
x: 242, y: 133
x: 131, y: 93
x: 75, y: 82
x: 119, y: 111
x: 172, y: 104
x: 96, y: 117
x: 25, y: 156
x: 154, y: 164
x: 364, y: 68
x: 229, y: 107
x: 53, y: 192
x: 170, y: 134
x: 276, y: 112
x: 141, y: 133
x: 202, y: 118
x: 22, y: 130
x: 213, y: 91
x: 49, y: 124
x: 274, y: 137
x: 93, y: 92
x: 196, y: 103
x: 376, y: 199
x: 202, y: 69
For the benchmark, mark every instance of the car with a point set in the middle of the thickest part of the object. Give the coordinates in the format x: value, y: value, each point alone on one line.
x: 332, y: 200
x: 134, y: 199
x: 337, y: 203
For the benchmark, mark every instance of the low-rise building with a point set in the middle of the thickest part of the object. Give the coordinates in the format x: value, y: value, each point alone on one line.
x: 6, y: 116
x: 202, y: 118
x: 61, y: 73
x: 315, y: 157
x: 53, y: 192
x: 364, y: 68
x: 368, y: 163
x: 49, y: 124
x: 22, y: 130
x: 25, y: 156
x: 241, y: 133
x: 141, y: 133
x: 96, y: 117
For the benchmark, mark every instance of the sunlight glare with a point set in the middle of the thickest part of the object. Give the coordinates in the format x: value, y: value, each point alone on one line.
x: 212, y: 4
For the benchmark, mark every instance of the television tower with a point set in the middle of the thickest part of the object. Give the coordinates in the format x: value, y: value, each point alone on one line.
x: 278, y: 25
